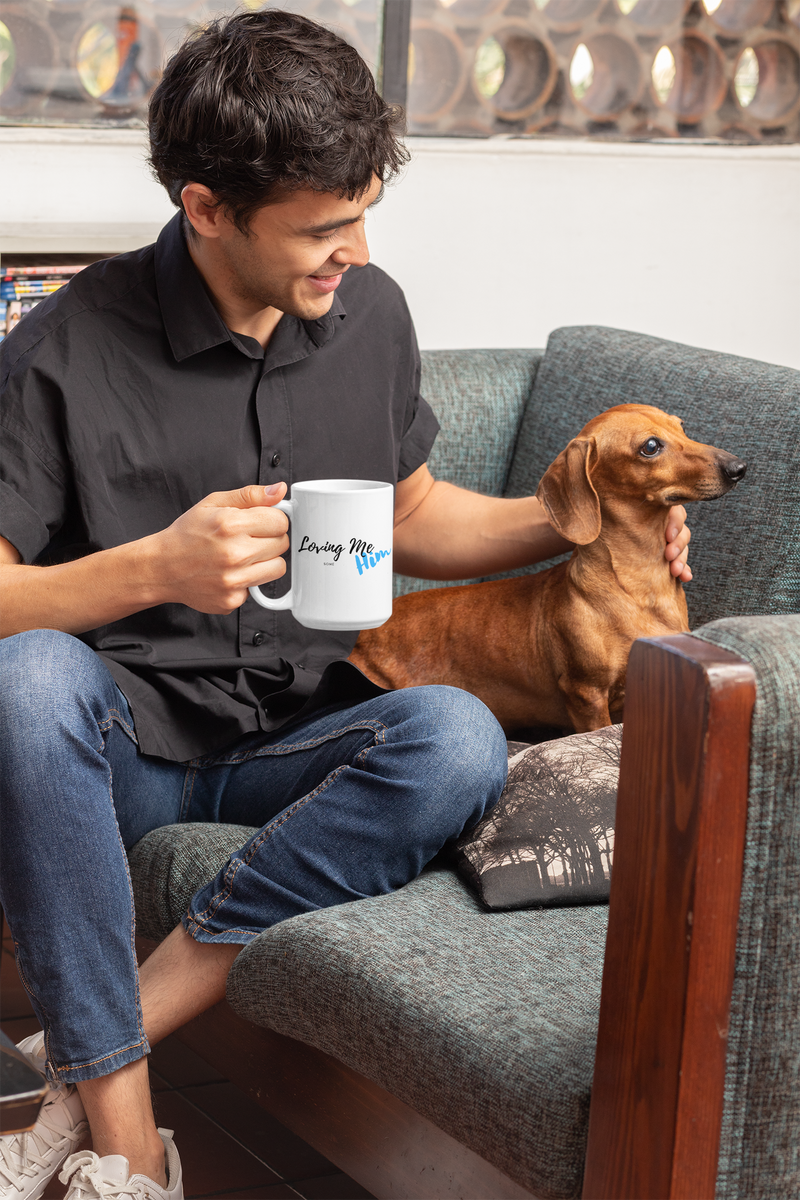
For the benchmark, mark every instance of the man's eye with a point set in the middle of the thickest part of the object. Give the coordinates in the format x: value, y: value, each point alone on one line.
x: 651, y: 447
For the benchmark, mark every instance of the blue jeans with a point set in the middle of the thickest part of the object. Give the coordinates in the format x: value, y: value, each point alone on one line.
x: 351, y: 802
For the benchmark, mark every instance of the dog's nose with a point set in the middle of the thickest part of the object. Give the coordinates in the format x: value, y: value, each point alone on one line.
x: 735, y: 469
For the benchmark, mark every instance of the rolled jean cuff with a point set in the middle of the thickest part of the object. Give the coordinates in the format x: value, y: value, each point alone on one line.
x: 98, y: 1067
x: 229, y: 937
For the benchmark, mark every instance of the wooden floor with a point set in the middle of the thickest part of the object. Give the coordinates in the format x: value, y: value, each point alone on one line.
x: 229, y: 1146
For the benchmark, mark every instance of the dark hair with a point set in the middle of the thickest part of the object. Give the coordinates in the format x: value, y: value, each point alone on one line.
x: 266, y: 101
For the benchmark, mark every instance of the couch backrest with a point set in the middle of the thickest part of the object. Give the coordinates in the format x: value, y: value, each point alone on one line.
x: 479, y: 397
x: 746, y: 546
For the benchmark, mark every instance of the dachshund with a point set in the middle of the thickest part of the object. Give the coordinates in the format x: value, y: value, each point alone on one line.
x: 551, y: 648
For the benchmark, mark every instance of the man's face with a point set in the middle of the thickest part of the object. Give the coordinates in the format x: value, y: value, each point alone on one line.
x: 296, y: 251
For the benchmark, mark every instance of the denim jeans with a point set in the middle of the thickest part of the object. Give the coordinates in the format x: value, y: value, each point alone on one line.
x: 351, y: 802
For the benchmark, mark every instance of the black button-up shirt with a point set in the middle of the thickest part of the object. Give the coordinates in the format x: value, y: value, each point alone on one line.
x: 126, y: 400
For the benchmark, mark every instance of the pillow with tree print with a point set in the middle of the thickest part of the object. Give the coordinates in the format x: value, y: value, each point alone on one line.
x: 549, y: 840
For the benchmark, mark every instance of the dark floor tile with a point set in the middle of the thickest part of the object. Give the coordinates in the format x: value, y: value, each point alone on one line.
x: 281, y: 1191
x: 14, y: 1000
x: 18, y: 1028
x: 180, y: 1066
x: 250, y: 1124
x: 212, y: 1160
x: 331, y: 1187
x: 158, y: 1083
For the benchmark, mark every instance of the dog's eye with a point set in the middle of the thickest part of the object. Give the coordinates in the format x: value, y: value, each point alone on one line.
x: 651, y: 447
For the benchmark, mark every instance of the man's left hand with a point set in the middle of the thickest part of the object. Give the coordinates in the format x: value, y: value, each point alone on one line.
x: 678, y: 536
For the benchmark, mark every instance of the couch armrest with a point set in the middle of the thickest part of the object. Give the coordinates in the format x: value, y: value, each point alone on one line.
x: 657, y: 1096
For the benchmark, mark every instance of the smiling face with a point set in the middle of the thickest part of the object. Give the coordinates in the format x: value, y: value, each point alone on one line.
x: 644, y: 453
x: 293, y: 256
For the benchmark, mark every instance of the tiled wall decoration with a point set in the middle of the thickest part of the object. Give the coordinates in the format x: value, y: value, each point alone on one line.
x: 624, y: 69
x: 627, y: 69
x: 96, y: 61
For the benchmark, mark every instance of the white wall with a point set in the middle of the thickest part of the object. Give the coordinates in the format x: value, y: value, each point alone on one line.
x: 498, y: 242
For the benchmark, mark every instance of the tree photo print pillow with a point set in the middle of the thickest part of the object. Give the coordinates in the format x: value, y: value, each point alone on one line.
x: 549, y: 840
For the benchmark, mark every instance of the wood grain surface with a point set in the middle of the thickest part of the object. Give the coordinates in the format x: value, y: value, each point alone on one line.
x: 681, y: 815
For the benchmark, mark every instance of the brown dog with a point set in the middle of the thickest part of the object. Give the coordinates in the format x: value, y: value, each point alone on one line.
x: 552, y: 648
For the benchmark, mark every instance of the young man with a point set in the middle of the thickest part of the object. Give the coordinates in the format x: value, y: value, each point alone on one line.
x: 153, y: 414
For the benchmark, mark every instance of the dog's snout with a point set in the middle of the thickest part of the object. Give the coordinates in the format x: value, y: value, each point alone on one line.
x: 733, y: 469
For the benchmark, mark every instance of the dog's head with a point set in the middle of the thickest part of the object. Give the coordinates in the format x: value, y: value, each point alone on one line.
x: 634, y: 454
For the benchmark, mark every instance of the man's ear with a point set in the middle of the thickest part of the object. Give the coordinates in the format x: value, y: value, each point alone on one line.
x: 202, y: 209
x: 567, y: 493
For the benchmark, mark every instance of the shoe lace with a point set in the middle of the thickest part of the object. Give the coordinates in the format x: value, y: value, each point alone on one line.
x: 81, y: 1171
x: 22, y: 1155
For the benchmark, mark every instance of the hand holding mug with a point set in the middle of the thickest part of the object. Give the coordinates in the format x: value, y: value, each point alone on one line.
x: 341, y: 540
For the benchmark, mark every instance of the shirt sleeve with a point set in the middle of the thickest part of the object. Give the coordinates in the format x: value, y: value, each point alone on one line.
x: 421, y: 428
x: 33, y: 479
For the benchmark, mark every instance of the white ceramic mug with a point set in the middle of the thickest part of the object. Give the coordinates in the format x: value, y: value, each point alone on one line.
x: 341, y: 536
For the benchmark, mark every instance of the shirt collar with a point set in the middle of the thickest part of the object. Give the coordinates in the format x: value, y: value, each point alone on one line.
x: 191, y: 321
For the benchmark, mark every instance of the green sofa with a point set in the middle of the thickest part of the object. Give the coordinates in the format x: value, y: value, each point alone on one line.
x: 433, y: 1049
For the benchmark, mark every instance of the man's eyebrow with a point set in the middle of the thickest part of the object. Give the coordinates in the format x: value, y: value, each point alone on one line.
x: 331, y: 225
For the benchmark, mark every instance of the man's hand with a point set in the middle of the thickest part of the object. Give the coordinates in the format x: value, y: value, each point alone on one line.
x: 228, y: 542
x: 678, y: 536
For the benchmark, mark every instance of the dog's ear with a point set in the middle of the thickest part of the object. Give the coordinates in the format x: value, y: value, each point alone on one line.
x: 567, y: 492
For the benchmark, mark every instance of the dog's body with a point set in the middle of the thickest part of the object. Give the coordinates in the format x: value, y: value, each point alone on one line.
x: 552, y: 648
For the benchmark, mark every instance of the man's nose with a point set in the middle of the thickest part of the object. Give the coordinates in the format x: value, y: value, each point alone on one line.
x: 355, y: 250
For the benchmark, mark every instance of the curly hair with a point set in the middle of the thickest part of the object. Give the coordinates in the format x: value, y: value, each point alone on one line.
x: 265, y: 102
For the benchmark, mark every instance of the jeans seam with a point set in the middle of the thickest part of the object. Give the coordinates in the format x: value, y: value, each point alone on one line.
x: 80, y: 1066
x: 186, y: 801
x: 115, y: 715
x: 287, y: 748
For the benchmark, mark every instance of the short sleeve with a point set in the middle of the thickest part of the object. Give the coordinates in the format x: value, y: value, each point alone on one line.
x: 33, y: 481
x: 420, y: 430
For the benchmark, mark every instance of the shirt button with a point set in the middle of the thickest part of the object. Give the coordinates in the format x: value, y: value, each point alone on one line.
x: 276, y: 460
x: 258, y: 638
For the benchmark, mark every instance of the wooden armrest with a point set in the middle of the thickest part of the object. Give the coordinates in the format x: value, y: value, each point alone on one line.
x: 657, y: 1095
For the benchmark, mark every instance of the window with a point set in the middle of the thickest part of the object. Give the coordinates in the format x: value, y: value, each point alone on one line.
x: 724, y: 70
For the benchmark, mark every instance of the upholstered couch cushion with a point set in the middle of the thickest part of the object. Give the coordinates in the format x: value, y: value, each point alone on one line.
x: 746, y: 546
x: 479, y: 397
x: 484, y: 1022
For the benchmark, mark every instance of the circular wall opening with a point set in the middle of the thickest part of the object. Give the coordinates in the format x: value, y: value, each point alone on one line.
x: 8, y: 57
x: 27, y: 71
x: 652, y: 14
x: 605, y: 76
x: 435, y: 71
x: 97, y: 59
x: 470, y: 10
x: 567, y: 15
x: 118, y: 58
x: 698, y: 83
x: 515, y: 72
x: 767, y: 81
x: 737, y: 16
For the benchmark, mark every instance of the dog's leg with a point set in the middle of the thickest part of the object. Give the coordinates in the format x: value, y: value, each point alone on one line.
x: 587, y: 705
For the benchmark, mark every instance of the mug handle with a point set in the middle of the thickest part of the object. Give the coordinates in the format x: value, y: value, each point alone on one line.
x: 283, y: 602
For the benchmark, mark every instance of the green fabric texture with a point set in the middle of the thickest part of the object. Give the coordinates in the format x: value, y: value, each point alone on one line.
x: 745, y: 546
x: 759, y: 1155
x: 484, y: 1022
x: 479, y: 397
x: 169, y: 864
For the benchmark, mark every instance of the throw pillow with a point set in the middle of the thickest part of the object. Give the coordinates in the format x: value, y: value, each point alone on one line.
x: 549, y: 840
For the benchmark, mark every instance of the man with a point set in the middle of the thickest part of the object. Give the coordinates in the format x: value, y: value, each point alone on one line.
x: 153, y: 414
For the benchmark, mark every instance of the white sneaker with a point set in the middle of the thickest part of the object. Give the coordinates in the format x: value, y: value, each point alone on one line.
x: 93, y: 1178
x: 28, y: 1161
